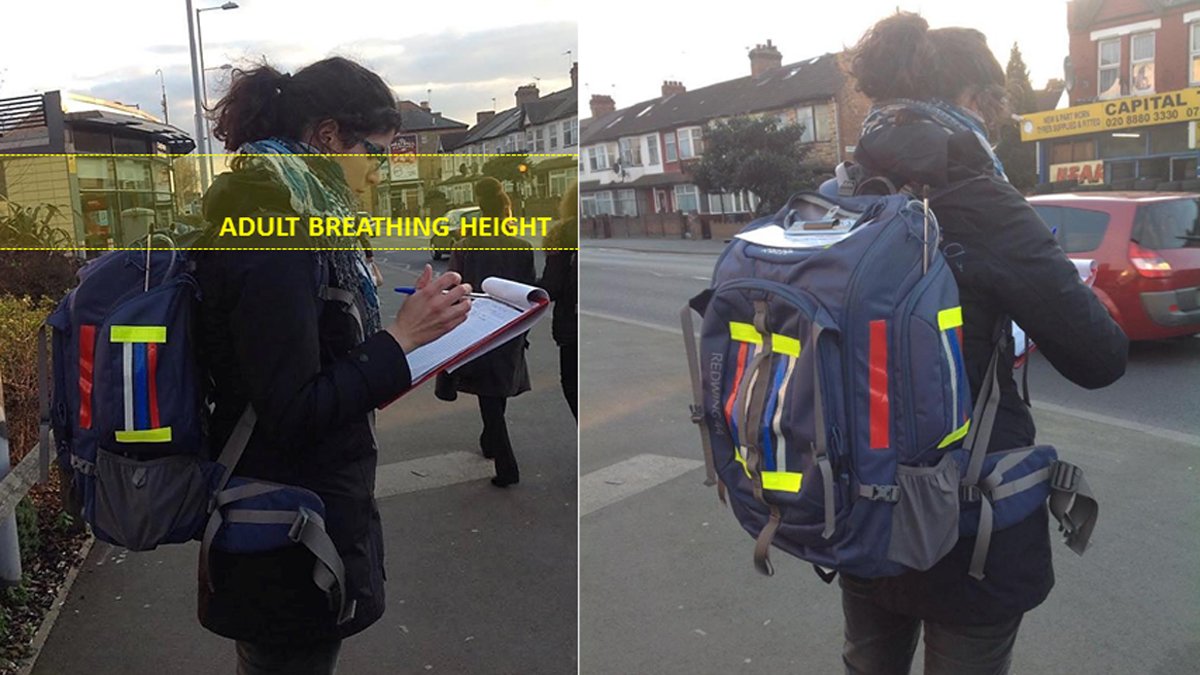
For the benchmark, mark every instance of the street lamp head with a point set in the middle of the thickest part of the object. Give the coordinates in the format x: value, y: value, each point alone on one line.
x: 229, y: 5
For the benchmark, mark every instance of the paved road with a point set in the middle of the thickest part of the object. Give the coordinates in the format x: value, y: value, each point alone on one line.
x: 666, y: 580
x: 1159, y: 389
x: 480, y: 580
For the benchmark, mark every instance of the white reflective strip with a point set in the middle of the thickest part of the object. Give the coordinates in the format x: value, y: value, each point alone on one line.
x: 953, y: 379
x: 781, y: 452
x: 128, y: 355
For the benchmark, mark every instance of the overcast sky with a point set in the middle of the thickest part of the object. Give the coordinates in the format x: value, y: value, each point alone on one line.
x: 628, y: 52
x: 459, y: 55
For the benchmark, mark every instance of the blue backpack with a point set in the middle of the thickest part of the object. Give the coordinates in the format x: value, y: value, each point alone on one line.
x: 128, y: 412
x: 833, y: 403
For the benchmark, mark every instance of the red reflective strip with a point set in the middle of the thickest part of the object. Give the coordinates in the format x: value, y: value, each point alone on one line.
x: 741, y: 367
x: 87, y: 350
x: 152, y: 363
x: 880, y: 419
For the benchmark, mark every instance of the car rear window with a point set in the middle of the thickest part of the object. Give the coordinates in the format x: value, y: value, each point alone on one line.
x: 1170, y: 224
x: 1077, y: 230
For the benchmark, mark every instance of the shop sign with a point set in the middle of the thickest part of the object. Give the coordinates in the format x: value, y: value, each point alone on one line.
x: 1087, y: 173
x: 1115, y: 115
x: 404, y: 157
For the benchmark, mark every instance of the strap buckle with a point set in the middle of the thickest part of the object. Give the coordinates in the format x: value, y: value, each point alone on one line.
x: 882, y: 493
x: 969, y: 493
x: 697, y: 413
x: 296, y: 533
x: 1065, y: 477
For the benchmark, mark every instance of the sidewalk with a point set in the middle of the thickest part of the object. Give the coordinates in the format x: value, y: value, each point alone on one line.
x: 480, y: 580
x: 667, y: 585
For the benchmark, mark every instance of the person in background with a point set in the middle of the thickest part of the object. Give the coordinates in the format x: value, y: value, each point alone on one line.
x: 935, y: 92
x: 560, y: 278
x: 501, y: 373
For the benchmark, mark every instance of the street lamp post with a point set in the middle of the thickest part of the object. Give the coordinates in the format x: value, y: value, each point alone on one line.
x: 207, y: 126
x: 163, y: 84
x: 201, y: 88
x: 199, y: 116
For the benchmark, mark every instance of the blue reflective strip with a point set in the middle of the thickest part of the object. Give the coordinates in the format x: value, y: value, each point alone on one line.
x: 141, y: 387
x: 769, y: 415
x: 964, y: 387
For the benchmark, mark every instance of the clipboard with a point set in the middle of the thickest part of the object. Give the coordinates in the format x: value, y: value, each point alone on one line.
x: 508, y: 309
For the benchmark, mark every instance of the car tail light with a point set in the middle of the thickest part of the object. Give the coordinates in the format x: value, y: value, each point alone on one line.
x: 1147, y: 262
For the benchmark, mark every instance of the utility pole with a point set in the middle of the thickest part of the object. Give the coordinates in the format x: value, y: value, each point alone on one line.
x: 201, y: 141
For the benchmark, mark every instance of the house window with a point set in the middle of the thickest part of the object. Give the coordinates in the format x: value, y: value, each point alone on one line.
x: 559, y: 180
x: 652, y: 150
x: 691, y: 143
x: 669, y: 140
x: 1141, y: 63
x: 553, y: 136
x: 815, y: 119
x: 540, y: 137
x: 1108, y: 81
x: 528, y: 140
x: 568, y: 127
x: 626, y: 203
x: 804, y: 116
x: 735, y: 202
x: 598, y: 157
x: 687, y: 198
x: 631, y: 151
x: 604, y: 203
x: 1194, y: 69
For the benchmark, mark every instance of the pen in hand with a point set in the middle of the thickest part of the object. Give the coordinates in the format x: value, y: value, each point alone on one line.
x: 409, y: 290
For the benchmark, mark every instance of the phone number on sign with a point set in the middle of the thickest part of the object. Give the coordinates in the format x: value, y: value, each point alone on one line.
x: 1140, y: 119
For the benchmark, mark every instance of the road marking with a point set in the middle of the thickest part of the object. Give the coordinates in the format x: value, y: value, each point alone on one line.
x: 632, y: 322
x: 426, y: 473
x: 1168, y: 434
x: 627, y: 478
x: 703, y: 278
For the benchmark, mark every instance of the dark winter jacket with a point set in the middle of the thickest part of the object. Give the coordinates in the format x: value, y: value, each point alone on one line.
x: 501, y: 372
x: 1006, y: 263
x: 267, y: 338
x: 560, y: 278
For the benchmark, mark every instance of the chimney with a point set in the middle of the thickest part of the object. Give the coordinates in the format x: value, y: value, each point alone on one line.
x: 575, y: 74
x: 672, y: 87
x: 425, y: 106
x: 602, y: 104
x: 764, y: 58
x: 527, y: 93
x: 484, y: 116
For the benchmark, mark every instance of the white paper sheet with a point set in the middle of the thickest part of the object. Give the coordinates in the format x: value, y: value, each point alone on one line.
x: 510, y: 309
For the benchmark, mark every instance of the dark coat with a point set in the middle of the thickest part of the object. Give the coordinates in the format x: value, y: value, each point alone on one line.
x: 267, y: 338
x: 501, y: 372
x: 1006, y: 263
x: 560, y: 278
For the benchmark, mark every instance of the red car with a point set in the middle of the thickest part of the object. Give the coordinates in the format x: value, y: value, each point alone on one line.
x: 1146, y: 246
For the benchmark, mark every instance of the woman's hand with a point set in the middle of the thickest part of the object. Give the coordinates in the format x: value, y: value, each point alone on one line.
x: 435, y: 309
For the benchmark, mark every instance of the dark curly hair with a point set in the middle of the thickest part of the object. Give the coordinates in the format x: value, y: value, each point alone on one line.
x: 263, y: 102
x: 900, y: 57
x: 493, y: 200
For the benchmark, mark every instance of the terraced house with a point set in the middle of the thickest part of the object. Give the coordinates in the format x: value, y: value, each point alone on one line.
x: 635, y: 159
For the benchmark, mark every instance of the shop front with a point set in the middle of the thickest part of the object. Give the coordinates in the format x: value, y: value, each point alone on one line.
x: 1142, y: 142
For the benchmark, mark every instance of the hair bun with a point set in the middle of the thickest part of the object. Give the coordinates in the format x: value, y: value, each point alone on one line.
x: 896, y: 58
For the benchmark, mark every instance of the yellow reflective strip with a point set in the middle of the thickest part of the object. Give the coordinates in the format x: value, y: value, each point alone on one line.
x: 744, y: 332
x: 162, y: 435
x: 782, y: 344
x: 955, y: 435
x: 139, y: 334
x: 784, y: 481
x: 950, y: 318
x: 737, y: 454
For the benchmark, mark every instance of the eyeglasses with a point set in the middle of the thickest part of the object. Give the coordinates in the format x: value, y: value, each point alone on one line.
x: 377, y: 151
